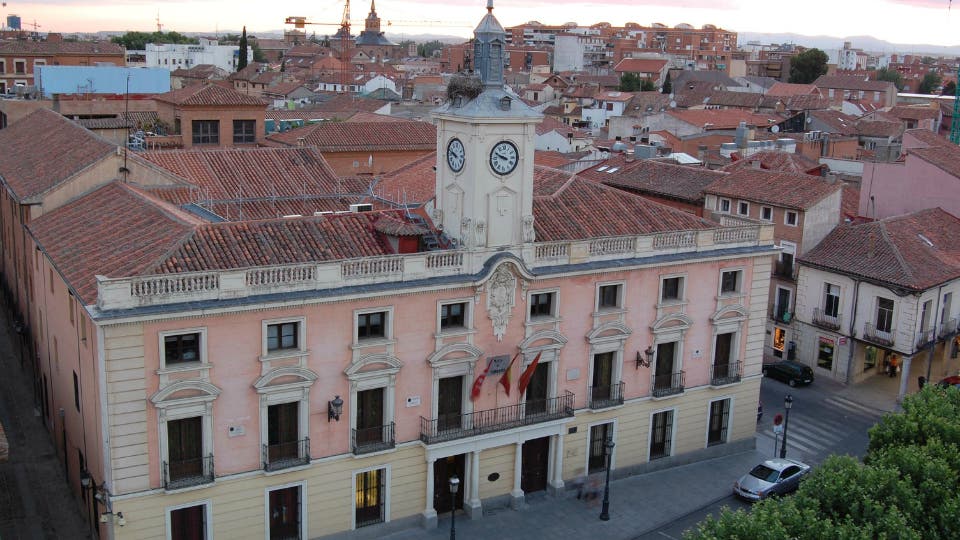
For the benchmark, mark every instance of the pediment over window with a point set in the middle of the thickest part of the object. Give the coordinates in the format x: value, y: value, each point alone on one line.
x: 544, y: 339
x: 672, y: 322
x: 610, y: 331
x: 379, y: 364
x: 455, y: 352
x: 185, y: 391
x: 731, y: 313
x: 285, y: 377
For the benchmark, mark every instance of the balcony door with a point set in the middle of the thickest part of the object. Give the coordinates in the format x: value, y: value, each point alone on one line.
x: 283, y: 431
x: 449, y: 403
x: 663, y: 374
x: 185, y: 448
x: 370, y: 416
x: 721, y: 355
x: 602, y: 375
x: 536, y: 402
x: 783, y: 304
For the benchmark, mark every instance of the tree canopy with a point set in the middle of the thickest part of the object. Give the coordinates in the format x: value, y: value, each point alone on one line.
x: 631, y: 82
x: 930, y: 83
x: 891, y: 75
x: 907, y: 487
x: 429, y: 49
x: 242, y: 53
x: 137, y: 41
x: 949, y: 89
x: 667, y: 85
x: 807, y: 66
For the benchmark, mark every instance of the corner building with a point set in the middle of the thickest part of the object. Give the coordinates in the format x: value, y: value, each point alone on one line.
x: 313, y: 376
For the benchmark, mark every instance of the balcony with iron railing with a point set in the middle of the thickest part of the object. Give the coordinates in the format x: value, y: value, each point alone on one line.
x: 723, y: 374
x: 785, y: 270
x: 781, y: 314
x: 880, y: 337
x: 607, y: 395
x: 947, y: 328
x: 924, y: 338
x: 184, y: 473
x: 233, y: 284
x: 286, y: 455
x: 669, y: 384
x: 453, y: 427
x: 372, y: 439
x: 823, y: 320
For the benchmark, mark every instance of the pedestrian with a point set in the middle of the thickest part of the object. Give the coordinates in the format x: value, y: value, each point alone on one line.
x: 894, y: 365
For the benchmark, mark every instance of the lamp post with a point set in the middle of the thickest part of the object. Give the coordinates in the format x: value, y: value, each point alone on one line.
x: 605, y: 509
x: 454, y: 487
x: 787, y: 403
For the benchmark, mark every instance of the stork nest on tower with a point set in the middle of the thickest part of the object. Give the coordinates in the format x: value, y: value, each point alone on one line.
x: 468, y: 86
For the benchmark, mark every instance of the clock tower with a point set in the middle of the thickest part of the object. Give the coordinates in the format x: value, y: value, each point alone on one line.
x: 485, y: 148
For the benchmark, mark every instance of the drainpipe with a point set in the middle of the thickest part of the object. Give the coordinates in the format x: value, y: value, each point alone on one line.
x: 853, y: 325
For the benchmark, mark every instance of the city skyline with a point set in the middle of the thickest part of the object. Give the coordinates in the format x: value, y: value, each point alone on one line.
x: 895, y: 21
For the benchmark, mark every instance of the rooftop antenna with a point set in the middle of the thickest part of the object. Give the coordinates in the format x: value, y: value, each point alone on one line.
x: 159, y: 26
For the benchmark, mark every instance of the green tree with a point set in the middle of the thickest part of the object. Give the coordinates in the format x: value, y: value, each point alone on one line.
x: 891, y: 75
x: 137, y: 41
x: 427, y: 50
x: 667, y: 85
x: 647, y: 85
x: 242, y: 57
x: 807, y: 66
x: 930, y: 83
x: 630, y: 82
x: 949, y: 89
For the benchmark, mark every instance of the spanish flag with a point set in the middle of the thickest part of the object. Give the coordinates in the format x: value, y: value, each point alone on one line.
x: 528, y: 374
x: 505, y: 378
x: 475, y: 391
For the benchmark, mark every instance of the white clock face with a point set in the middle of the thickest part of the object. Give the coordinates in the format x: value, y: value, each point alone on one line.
x: 503, y: 157
x: 455, y: 155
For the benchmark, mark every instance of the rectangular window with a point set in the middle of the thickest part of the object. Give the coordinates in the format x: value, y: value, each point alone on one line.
x: 244, y: 131
x: 743, y: 208
x: 189, y: 523
x: 206, y: 132
x: 3, y: 67
x: 541, y: 305
x: 181, y: 349
x: 283, y: 336
x: 884, y: 314
x: 370, y: 497
x: 453, y: 316
x: 661, y: 434
x: 76, y: 391
x: 671, y: 289
x: 286, y: 508
x: 825, y: 353
x: 730, y: 282
x: 372, y: 325
x: 925, y: 311
x: 20, y: 67
x: 766, y: 213
x: 599, y: 434
x: 601, y: 389
x: 717, y: 424
x: 790, y: 218
x: 70, y: 305
x: 831, y: 300
x: 723, y: 205
x: 608, y: 296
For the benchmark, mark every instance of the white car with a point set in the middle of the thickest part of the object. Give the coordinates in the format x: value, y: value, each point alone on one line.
x: 772, y: 477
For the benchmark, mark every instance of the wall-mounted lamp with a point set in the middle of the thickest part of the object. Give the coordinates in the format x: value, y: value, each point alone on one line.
x: 646, y: 358
x: 334, y: 408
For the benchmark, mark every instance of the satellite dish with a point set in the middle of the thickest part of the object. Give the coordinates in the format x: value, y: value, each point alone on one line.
x: 673, y: 104
x: 775, y: 129
x: 809, y: 119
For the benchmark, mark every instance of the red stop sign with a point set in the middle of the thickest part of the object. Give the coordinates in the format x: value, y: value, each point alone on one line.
x: 778, y: 419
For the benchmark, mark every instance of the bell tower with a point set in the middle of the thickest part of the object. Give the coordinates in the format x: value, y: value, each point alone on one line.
x: 372, y: 24
x: 485, y: 148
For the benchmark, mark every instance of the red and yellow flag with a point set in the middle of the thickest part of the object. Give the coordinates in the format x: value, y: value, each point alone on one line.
x: 528, y: 374
x: 505, y: 378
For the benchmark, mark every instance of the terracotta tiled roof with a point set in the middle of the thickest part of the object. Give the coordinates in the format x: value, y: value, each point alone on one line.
x: 22, y: 46
x: 792, y: 89
x: 249, y: 173
x: 879, y: 128
x: 797, y: 103
x: 569, y: 208
x: 914, y: 113
x: 105, y: 123
x: 945, y: 157
x: 647, y: 103
x: 363, y: 136
x: 783, y: 189
x: 841, y: 123
x: 199, y: 71
x: 248, y: 72
x: 777, y: 161
x: 853, y: 83
x: 31, y: 165
x: 654, y: 177
x: 414, y: 183
x: 283, y: 88
x: 928, y: 138
x: 208, y: 95
x: 364, y: 116
x: 725, y: 118
x: 113, y: 231
x: 742, y: 100
x: 551, y: 158
x: 614, y: 96
x: 640, y: 65
x: 849, y: 202
x: 549, y: 124
x: 392, y: 226
x: 916, y: 251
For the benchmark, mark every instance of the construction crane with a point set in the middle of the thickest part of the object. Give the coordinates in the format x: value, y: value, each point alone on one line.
x: 300, y: 23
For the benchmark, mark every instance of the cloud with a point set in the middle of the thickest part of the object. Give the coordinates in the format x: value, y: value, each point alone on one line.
x: 930, y: 4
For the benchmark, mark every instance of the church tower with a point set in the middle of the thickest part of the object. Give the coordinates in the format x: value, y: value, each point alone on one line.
x: 372, y: 24
x: 485, y: 148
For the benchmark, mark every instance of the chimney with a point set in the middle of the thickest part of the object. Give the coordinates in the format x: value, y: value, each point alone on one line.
x: 633, y: 139
x: 702, y: 152
x: 741, y: 138
x: 301, y: 141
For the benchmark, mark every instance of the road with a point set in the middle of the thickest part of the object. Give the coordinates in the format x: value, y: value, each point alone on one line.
x: 821, y: 423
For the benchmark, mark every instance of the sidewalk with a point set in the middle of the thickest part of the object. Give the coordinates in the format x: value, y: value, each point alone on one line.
x: 638, y: 504
x: 35, y: 502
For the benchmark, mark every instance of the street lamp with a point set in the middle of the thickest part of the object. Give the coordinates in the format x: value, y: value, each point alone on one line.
x: 787, y: 403
x: 454, y: 487
x: 605, y: 509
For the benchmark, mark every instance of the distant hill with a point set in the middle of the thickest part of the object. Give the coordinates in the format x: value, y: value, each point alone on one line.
x: 867, y: 43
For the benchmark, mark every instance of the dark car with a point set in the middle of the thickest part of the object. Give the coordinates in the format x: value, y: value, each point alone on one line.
x: 789, y: 371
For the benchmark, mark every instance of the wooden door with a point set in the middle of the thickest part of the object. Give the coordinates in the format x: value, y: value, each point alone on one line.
x: 370, y: 416
x: 449, y: 403
x: 536, y: 401
x: 185, y: 448
x: 535, y: 455
x: 602, y: 375
x: 443, y: 469
x: 188, y: 523
x: 283, y: 430
x: 597, y: 460
x: 285, y: 513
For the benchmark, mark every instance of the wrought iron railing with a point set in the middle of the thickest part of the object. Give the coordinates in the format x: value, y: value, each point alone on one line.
x: 924, y: 338
x: 947, y: 328
x: 781, y: 314
x: 499, y: 419
x: 668, y: 384
x: 607, y: 395
x: 183, y: 473
x: 728, y: 373
x: 285, y: 455
x: 372, y: 439
x: 880, y: 337
x: 823, y: 320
